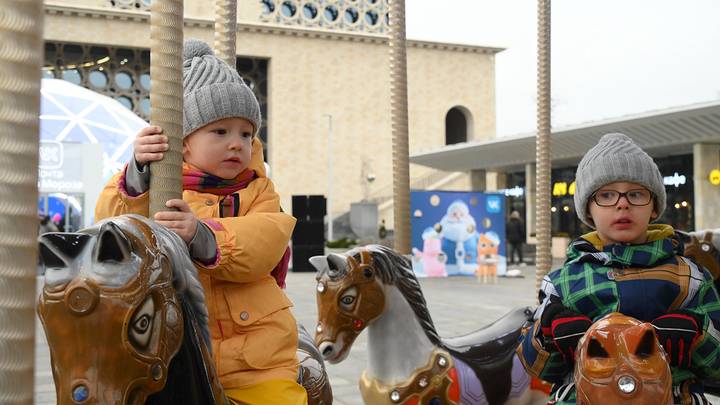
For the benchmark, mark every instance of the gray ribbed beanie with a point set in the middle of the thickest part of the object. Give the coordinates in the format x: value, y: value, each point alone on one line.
x: 213, y: 90
x: 616, y: 158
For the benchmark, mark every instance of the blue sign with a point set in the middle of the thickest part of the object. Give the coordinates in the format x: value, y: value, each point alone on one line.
x: 457, y: 233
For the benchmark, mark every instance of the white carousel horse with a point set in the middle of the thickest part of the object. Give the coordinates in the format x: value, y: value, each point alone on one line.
x: 408, y: 363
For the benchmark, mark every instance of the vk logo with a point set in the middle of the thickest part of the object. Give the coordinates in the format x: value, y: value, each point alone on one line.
x: 493, y: 204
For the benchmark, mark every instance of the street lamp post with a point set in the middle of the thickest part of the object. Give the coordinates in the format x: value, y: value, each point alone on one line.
x: 329, y: 180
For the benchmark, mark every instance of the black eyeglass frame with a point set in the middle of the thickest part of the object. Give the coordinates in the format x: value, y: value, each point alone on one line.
x: 621, y: 195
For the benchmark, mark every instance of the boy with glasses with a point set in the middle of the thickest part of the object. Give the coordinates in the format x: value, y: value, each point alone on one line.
x: 626, y: 265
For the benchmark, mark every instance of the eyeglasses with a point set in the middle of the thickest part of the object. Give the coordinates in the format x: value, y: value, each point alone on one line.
x: 608, y: 198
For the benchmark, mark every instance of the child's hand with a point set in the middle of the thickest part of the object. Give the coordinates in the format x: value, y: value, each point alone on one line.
x: 182, y: 222
x: 149, y: 145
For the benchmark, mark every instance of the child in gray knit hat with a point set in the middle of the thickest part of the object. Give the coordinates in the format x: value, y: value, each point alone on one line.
x: 626, y: 265
x: 230, y: 218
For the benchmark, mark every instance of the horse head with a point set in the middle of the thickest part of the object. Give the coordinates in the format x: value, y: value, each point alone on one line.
x: 349, y: 297
x: 704, y: 248
x: 619, y: 361
x: 110, y: 308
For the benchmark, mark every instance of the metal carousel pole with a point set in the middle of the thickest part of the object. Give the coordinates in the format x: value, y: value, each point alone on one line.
x: 399, y: 106
x: 226, y: 30
x: 542, y: 179
x: 166, y: 99
x: 21, y: 56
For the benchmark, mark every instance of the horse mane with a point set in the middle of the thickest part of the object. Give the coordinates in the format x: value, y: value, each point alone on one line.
x: 185, y: 277
x: 396, y: 269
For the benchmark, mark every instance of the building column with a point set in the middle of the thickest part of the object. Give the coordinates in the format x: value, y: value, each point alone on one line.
x: 706, y: 158
x: 529, y: 200
x: 478, y: 180
x: 496, y: 181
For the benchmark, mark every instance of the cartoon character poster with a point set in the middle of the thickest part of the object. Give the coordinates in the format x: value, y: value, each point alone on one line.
x: 458, y: 233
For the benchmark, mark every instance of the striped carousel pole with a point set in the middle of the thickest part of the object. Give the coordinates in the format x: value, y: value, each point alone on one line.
x: 399, y: 108
x: 166, y: 99
x: 21, y: 56
x: 542, y: 179
x: 226, y: 30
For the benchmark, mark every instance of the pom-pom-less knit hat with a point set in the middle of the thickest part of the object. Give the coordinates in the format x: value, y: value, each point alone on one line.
x: 616, y: 158
x: 213, y: 90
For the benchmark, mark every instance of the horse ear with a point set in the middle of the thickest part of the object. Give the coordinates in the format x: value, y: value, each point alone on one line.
x: 112, y: 244
x: 708, y: 237
x: 320, y: 263
x: 336, y: 262
x: 58, y: 249
x: 647, y: 346
x: 51, y: 251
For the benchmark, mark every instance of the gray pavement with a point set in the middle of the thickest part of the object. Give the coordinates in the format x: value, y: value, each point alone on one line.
x: 458, y: 305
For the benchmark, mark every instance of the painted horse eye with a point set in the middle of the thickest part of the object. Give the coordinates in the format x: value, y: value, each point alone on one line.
x: 347, y: 300
x: 141, y: 324
x: 367, y: 273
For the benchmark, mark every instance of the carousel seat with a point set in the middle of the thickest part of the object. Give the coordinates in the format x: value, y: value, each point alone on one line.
x: 492, y: 342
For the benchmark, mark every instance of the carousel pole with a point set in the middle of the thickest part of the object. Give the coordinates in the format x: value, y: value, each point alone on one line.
x: 21, y: 56
x: 399, y: 106
x: 226, y: 30
x: 542, y: 179
x: 166, y: 98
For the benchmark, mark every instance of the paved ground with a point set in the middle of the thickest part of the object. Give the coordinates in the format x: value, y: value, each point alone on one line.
x: 458, y: 305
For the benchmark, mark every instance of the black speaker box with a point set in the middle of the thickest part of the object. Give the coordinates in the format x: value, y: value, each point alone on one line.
x: 300, y: 207
x: 316, y: 207
x: 301, y: 255
x: 309, y: 233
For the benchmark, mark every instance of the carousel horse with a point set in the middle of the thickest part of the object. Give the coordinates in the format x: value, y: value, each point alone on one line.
x: 408, y: 363
x: 619, y: 360
x: 126, y: 323
x: 704, y: 248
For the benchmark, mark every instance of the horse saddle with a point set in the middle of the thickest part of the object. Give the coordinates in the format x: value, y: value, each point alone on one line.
x: 489, y: 352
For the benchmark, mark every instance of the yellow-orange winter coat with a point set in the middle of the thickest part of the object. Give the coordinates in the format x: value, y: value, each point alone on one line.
x: 254, y: 335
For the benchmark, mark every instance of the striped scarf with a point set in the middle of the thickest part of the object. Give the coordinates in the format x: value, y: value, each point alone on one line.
x: 197, y: 180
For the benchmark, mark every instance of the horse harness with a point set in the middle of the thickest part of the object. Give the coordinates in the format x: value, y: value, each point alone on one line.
x: 349, y: 323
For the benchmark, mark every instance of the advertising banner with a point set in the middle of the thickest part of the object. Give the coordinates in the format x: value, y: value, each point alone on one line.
x: 457, y: 233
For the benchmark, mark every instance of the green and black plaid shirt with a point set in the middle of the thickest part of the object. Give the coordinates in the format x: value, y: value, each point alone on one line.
x: 643, y: 281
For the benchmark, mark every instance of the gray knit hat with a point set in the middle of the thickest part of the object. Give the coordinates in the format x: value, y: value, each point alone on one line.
x: 213, y: 90
x: 616, y: 158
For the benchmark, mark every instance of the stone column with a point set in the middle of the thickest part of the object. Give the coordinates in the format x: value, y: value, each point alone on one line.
x: 496, y: 181
x: 706, y: 157
x: 478, y: 180
x: 529, y: 199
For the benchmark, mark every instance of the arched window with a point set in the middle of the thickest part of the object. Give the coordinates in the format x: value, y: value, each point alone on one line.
x: 458, y: 123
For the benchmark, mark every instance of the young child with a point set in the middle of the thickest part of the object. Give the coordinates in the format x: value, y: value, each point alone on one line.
x: 230, y: 218
x: 627, y: 265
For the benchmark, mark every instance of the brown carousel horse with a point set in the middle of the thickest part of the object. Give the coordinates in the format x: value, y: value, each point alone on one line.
x: 125, y: 319
x: 408, y: 363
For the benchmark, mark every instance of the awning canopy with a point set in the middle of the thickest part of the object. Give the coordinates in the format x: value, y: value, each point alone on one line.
x: 660, y: 133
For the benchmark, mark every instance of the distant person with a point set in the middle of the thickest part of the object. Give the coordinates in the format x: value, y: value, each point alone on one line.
x: 382, y: 231
x: 46, y: 225
x: 515, y: 232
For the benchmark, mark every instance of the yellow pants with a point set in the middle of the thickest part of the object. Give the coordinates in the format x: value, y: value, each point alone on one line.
x: 273, y: 392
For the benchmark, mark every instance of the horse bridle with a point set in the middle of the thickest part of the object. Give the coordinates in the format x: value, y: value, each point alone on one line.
x: 105, y: 315
x: 369, y: 301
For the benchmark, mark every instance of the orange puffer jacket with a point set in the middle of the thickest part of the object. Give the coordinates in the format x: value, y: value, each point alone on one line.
x: 254, y: 334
